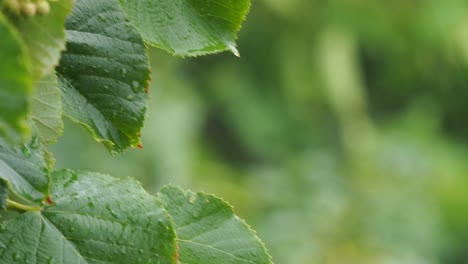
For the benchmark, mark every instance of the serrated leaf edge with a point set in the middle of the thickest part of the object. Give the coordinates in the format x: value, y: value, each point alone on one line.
x: 231, y: 210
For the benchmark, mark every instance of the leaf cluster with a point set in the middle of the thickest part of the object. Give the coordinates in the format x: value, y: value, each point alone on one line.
x: 88, y: 60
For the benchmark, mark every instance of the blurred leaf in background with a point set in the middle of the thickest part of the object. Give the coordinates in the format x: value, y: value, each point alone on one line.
x: 340, y: 133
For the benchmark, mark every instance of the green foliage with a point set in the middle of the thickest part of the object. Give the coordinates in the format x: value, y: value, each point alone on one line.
x: 202, y: 27
x: 379, y: 178
x: 14, y: 82
x: 44, y: 37
x: 46, y: 109
x: 87, y: 59
x: 3, y: 195
x: 24, y: 169
x: 94, y: 219
x: 209, y: 232
x: 103, y: 74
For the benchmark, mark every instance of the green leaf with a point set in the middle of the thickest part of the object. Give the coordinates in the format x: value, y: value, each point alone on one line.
x: 104, y: 74
x: 15, y: 84
x: 188, y: 27
x: 208, y: 232
x: 3, y: 195
x: 24, y: 170
x: 95, y: 219
x: 46, y: 109
x: 44, y: 36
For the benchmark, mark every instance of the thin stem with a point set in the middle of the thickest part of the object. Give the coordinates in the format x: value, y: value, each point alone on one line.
x: 22, y: 207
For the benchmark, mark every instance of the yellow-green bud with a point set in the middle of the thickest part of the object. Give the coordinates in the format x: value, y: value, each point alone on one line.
x: 12, y: 5
x: 28, y: 9
x: 43, y: 7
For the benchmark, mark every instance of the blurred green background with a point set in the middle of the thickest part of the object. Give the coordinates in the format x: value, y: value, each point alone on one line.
x: 340, y: 135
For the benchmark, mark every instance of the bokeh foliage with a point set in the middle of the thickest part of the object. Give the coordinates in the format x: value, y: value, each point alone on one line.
x: 340, y: 134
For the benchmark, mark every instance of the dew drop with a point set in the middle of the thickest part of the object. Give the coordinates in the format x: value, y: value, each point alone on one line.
x: 135, y: 85
x: 26, y: 151
x: 169, y: 15
x: 192, y: 199
x: 124, y: 72
x: 111, y: 211
x: 34, y: 142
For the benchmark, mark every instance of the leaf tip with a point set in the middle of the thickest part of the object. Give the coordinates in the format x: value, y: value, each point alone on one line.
x: 232, y: 48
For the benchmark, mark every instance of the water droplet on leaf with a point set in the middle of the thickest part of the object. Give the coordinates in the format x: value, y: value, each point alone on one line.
x: 35, y: 143
x: 111, y: 211
x: 26, y: 151
x: 135, y: 85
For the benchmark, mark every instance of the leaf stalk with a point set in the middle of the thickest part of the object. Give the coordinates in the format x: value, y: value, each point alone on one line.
x: 14, y: 205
